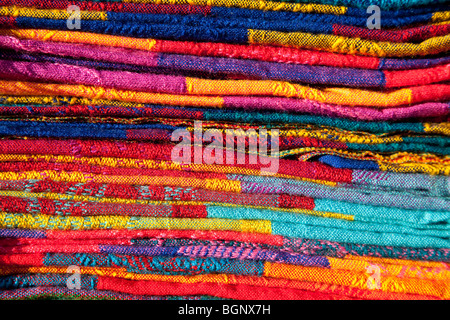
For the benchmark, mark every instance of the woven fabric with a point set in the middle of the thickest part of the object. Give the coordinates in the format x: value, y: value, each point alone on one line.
x: 280, y: 54
x: 96, y: 5
x: 262, y: 70
x: 321, y: 24
x: 306, y: 40
x: 224, y: 149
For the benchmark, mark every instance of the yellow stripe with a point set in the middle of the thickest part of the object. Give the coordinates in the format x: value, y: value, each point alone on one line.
x: 50, y: 14
x: 417, y: 263
x: 440, y: 16
x: 57, y: 196
x: 439, y: 23
x: 345, y: 96
x: 397, y: 270
x: 39, y: 221
x: 205, y: 90
x: 437, y: 128
x: 297, y: 39
x: 433, y: 169
x: 340, y: 135
x: 347, y: 45
x: 55, y: 101
x: 83, y: 198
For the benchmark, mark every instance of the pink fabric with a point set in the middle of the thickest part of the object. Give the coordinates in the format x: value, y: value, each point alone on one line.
x: 111, y: 54
x: 61, y: 73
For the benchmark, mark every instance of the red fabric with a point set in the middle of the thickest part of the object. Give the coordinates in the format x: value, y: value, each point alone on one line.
x: 252, y: 288
x: 31, y: 259
x: 55, y: 247
x: 7, y: 22
x: 416, y: 77
x: 62, y: 207
x: 432, y: 92
x: 241, y: 291
x: 10, y: 242
x: 92, y: 148
x: 132, y: 192
x: 104, y: 170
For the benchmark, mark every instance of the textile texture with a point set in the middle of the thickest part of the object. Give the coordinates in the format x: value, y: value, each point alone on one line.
x: 225, y: 149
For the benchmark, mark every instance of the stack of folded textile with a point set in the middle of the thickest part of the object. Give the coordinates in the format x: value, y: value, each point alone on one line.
x: 224, y: 149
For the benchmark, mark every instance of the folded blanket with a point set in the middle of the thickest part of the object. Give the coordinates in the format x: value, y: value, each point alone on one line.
x: 255, y: 52
x: 134, y: 150
x: 306, y: 40
x: 321, y: 24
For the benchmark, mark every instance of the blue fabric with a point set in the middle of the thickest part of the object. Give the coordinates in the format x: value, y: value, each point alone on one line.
x: 158, y: 264
x: 168, y: 32
x: 87, y: 282
x: 340, y: 162
x: 347, y: 227
x: 388, y: 215
x: 303, y: 25
x: 385, y: 238
x: 73, y: 130
x: 354, y: 17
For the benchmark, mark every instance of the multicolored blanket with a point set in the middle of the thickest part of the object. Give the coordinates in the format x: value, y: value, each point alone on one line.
x: 199, y: 150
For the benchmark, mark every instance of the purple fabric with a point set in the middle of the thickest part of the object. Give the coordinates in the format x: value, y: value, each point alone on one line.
x: 220, y: 252
x: 22, y: 233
